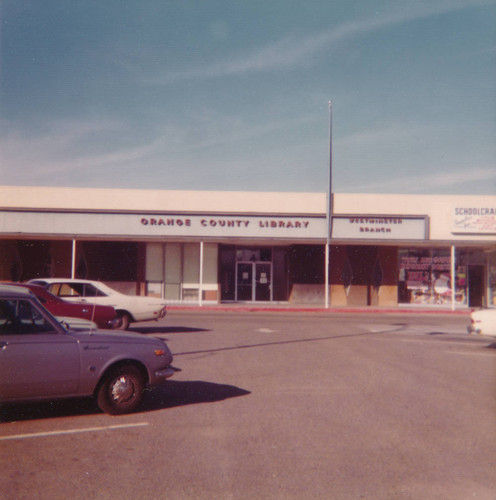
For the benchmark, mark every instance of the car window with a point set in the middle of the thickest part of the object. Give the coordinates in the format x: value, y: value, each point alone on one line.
x: 93, y: 291
x: 66, y: 289
x: 21, y: 317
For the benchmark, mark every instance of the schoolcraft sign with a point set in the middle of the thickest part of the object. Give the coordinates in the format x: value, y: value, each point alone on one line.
x: 474, y: 220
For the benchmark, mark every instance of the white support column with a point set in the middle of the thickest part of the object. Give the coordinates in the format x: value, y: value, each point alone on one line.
x: 453, y: 278
x: 164, y: 256
x: 200, y: 291
x: 327, y: 275
x: 73, y: 260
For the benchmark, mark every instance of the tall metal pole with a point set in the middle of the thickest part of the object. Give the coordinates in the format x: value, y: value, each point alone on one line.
x: 329, y: 212
x: 73, y: 259
x: 453, y: 278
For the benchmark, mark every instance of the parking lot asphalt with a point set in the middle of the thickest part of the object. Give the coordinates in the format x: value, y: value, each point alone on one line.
x: 277, y: 406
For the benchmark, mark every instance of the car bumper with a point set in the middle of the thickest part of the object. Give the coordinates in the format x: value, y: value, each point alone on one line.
x: 161, y: 375
x: 472, y: 330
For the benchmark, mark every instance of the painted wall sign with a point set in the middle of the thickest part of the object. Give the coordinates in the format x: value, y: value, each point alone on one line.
x: 149, y: 225
x: 474, y: 220
x: 380, y: 227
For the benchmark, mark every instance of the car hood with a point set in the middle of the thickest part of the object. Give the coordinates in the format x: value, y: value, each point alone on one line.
x: 112, y: 336
x: 484, y: 313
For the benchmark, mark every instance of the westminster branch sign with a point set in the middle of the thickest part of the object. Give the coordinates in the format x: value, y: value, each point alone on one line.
x: 380, y: 227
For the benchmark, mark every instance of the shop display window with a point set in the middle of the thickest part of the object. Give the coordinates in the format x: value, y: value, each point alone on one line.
x: 492, y: 280
x: 425, y: 277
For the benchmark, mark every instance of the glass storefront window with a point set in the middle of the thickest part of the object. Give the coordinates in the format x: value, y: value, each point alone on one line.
x: 461, y: 277
x: 262, y: 254
x: 424, y: 276
x: 492, y: 279
x: 173, y: 271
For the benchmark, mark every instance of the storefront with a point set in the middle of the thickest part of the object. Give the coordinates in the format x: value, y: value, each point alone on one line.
x: 205, y: 247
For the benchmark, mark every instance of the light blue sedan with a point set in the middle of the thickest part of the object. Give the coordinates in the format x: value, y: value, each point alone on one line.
x: 40, y: 359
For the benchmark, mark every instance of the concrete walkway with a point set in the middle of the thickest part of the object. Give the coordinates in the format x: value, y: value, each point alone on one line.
x: 317, y: 308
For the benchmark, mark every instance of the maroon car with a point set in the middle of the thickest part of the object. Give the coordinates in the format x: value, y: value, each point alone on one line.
x: 103, y: 316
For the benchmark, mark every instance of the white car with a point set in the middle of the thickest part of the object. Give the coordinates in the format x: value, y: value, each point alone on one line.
x: 129, y: 308
x: 483, y: 322
x: 76, y: 323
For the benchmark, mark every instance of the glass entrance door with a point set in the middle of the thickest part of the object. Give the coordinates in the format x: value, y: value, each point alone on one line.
x: 244, y: 281
x: 254, y: 281
x: 263, y: 281
x: 475, y: 286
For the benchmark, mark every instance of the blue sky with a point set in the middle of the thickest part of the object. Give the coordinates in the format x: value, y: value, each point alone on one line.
x: 233, y: 95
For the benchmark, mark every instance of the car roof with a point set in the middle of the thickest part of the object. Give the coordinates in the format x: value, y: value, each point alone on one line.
x: 37, y: 289
x: 10, y: 290
x: 30, y: 286
x: 60, y: 280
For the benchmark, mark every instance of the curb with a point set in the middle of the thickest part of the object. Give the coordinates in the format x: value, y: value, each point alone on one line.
x: 320, y: 310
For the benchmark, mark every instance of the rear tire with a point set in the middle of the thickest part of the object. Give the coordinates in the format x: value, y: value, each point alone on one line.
x: 121, y: 391
x: 125, y: 320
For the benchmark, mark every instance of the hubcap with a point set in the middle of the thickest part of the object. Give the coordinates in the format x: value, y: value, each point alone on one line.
x: 122, y: 389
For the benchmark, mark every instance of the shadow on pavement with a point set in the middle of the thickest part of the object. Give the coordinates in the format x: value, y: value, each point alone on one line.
x: 47, y: 409
x: 167, y: 329
x: 178, y: 393
x: 168, y: 395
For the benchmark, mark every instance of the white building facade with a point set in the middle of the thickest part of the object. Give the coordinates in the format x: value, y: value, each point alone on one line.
x: 219, y: 247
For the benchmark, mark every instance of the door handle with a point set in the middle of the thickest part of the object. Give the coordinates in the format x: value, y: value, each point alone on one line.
x: 3, y: 345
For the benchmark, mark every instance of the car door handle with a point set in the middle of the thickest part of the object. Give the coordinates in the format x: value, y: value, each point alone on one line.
x: 3, y: 345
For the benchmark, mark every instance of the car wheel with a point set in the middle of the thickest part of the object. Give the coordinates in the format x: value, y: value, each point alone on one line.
x: 121, y: 391
x: 125, y: 320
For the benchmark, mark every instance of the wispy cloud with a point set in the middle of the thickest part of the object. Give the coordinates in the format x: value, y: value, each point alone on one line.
x: 412, y: 157
x: 62, y: 147
x: 296, y: 52
x: 435, y: 182
x: 67, y: 147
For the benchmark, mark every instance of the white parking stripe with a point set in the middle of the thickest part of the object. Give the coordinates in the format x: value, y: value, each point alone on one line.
x: 72, y: 431
x: 441, y: 341
x: 463, y: 353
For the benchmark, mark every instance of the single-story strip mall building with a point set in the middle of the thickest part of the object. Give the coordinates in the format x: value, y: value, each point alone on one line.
x: 220, y: 247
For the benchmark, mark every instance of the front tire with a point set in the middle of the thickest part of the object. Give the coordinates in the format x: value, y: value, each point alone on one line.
x: 121, y: 391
